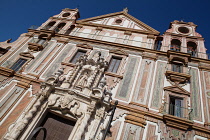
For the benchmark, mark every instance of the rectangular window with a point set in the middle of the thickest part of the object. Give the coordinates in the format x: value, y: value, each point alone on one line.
x: 77, y: 56
x: 56, y: 126
x: 18, y: 64
x: 175, y: 106
x: 114, y: 64
x: 177, y: 67
x: 41, y: 41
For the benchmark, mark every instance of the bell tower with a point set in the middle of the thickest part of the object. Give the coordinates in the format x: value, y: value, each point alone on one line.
x: 64, y: 22
x: 182, y: 37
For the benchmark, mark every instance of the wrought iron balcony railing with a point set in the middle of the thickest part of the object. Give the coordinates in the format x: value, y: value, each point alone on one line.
x: 175, y: 48
x: 185, y: 50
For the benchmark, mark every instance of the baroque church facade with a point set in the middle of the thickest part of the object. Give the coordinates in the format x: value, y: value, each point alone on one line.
x: 78, y: 79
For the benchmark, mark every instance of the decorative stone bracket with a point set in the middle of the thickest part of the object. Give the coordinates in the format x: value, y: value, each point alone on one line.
x: 6, y: 71
x: 136, y: 119
x: 178, y: 56
x: 35, y: 46
x: 177, y: 122
x: 177, y: 77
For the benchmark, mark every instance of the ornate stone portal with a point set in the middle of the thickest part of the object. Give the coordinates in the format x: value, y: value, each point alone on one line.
x: 80, y: 94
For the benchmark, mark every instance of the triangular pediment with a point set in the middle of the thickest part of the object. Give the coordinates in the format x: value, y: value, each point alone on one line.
x: 177, y: 89
x: 127, y: 21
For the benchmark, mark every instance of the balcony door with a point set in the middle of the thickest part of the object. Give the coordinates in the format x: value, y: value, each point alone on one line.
x: 175, y: 106
x: 58, y: 128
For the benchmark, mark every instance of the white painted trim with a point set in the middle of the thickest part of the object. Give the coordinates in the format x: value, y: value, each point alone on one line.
x: 122, y: 119
x: 200, y: 92
x: 61, y: 51
x: 199, y: 137
x: 6, y: 94
x: 30, y: 89
x: 151, y: 94
x: 17, y: 50
x: 146, y: 129
x: 149, y: 80
x: 53, y: 45
x: 208, y: 115
x: 118, y: 84
x: 7, y: 84
x: 153, y: 82
x: 137, y: 73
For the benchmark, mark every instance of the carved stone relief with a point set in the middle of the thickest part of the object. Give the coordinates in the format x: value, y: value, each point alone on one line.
x: 81, y: 93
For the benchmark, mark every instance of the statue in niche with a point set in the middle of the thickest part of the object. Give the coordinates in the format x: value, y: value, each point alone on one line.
x: 96, y: 56
x: 83, y: 79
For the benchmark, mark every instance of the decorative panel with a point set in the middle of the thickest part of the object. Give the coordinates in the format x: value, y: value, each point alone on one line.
x: 132, y: 132
x: 9, y: 100
x: 195, y: 95
x: 126, y: 84
x: 38, y: 58
x: 5, y: 86
x: 205, y: 83
x: 114, y: 130
x: 56, y: 63
x: 150, y: 134
x: 17, y: 110
x: 46, y: 59
x: 143, y: 81
x: 158, y: 85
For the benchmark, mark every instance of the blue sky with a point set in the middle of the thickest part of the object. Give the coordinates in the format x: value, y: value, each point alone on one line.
x: 17, y: 16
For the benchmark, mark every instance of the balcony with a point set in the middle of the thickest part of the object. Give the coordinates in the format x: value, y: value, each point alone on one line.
x: 37, y: 45
x: 183, y: 49
x: 177, y: 116
x: 177, y: 111
x: 177, y: 77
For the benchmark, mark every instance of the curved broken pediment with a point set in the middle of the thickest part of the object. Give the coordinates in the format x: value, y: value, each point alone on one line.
x: 27, y: 54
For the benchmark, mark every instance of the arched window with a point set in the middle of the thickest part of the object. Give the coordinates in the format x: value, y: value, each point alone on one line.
x: 158, y: 43
x: 191, y: 48
x: 50, y: 25
x: 70, y: 29
x: 175, y: 45
x: 59, y: 27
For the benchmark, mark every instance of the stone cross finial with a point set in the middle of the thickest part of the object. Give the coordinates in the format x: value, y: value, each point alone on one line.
x: 125, y: 9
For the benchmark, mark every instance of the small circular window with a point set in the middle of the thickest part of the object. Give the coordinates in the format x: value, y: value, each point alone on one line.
x: 118, y: 21
x: 183, y: 30
x: 66, y: 14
